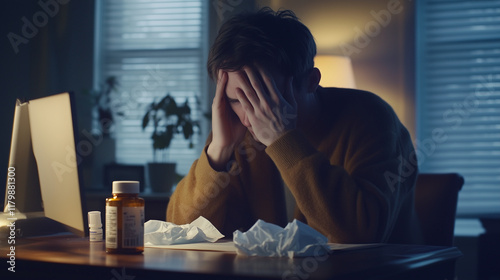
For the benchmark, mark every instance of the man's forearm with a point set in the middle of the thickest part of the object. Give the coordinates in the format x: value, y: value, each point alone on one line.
x: 218, y: 157
x: 202, y: 192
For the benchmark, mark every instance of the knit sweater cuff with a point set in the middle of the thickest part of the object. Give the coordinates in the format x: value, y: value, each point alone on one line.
x: 290, y: 149
x: 204, y: 165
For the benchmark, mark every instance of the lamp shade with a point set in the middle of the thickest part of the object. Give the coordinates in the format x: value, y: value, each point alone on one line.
x: 336, y: 71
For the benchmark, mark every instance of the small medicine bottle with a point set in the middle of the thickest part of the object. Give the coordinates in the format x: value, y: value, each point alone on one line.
x: 125, y: 219
x: 95, y: 226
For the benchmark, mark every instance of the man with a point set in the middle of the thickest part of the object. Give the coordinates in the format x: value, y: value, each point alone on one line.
x: 338, y: 155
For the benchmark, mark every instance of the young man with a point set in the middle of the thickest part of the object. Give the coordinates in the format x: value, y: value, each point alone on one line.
x: 339, y: 157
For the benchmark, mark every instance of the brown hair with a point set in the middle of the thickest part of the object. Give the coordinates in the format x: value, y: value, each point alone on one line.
x: 275, y: 40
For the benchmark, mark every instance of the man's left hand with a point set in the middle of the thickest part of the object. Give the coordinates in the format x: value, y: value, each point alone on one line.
x: 270, y: 112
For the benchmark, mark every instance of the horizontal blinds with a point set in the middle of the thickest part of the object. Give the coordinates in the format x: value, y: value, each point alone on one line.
x: 153, y: 47
x: 459, y: 97
x: 156, y: 24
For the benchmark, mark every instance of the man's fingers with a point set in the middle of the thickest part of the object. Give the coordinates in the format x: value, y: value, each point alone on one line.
x: 221, y: 81
x: 273, y: 90
x: 245, y: 102
x: 221, y: 86
x: 257, y: 93
x: 289, y: 93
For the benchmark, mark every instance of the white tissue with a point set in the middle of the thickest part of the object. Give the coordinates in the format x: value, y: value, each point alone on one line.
x: 166, y: 233
x: 295, y: 240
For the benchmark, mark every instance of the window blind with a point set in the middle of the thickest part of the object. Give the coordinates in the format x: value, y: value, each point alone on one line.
x: 458, y: 84
x: 153, y: 47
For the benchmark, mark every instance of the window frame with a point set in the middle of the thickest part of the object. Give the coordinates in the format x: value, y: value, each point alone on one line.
x: 98, y: 76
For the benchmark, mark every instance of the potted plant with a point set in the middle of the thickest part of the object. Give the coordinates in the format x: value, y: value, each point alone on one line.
x: 167, y: 119
x: 106, y: 109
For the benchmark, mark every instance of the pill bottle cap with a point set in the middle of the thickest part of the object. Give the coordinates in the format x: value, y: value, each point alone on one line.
x: 95, y: 219
x: 125, y: 186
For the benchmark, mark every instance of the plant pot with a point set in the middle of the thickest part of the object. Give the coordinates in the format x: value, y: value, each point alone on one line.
x: 161, y: 177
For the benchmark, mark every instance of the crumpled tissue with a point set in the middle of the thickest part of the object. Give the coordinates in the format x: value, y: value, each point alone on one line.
x: 166, y: 233
x: 295, y: 240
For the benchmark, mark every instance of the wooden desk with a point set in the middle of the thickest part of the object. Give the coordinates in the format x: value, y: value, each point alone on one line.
x: 70, y: 257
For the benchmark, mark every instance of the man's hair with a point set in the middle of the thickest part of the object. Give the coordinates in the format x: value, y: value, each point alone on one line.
x: 273, y: 40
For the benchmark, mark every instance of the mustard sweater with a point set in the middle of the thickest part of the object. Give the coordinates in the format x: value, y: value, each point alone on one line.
x: 352, y: 174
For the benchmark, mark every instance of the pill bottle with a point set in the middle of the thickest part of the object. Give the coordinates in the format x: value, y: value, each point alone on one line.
x: 125, y: 219
x: 95, y: 226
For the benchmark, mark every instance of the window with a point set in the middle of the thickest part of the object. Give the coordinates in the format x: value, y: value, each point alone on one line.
x: 458, y: 84
x: 152, y: 47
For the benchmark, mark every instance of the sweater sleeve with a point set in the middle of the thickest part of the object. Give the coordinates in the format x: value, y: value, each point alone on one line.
x: 233, y: 199
x: 352, y: 195
x: 202, y: 192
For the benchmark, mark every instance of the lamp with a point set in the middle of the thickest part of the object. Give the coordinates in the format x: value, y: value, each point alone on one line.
x: 336, y: 71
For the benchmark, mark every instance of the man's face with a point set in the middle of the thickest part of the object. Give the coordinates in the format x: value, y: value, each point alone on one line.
x: 236, y: 82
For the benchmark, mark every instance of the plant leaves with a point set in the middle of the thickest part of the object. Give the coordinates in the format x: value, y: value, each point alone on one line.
x: 145, y: 120
x: 168, y: 119
x: 170, y: 107
x: 187, y: 130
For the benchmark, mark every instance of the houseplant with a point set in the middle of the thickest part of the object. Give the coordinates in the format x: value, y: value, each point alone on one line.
x: 105, y: 108
x: 167, y: 119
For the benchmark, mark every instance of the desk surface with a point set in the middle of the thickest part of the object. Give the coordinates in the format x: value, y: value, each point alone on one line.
x: 70, y: 257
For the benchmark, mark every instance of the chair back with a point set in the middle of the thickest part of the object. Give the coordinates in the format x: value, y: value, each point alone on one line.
x: 436, y: 198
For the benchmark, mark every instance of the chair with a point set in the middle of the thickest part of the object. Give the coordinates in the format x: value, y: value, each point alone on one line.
x: 436, y: 198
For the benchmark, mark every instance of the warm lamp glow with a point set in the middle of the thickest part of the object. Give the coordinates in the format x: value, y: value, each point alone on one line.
x: 336, y: 71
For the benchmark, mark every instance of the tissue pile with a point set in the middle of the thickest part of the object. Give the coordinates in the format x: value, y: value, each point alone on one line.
x: 295, y: 240
x: 165, y: 233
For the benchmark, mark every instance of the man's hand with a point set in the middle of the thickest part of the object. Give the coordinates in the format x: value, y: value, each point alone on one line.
x: 270, y: 112
x: 227, y: 130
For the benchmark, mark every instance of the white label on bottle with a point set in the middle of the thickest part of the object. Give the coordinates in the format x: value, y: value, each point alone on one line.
x: 95, y: 234
x: 133, y: 227
x: 111, y: 227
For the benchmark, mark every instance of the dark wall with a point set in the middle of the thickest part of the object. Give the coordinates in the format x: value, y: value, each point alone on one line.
x: 51, y: 52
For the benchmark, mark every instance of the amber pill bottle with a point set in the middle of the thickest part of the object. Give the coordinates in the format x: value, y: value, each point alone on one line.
x: 125, y: 219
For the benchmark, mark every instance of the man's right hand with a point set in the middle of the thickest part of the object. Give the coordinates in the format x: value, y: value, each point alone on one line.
x: 227, y: 130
